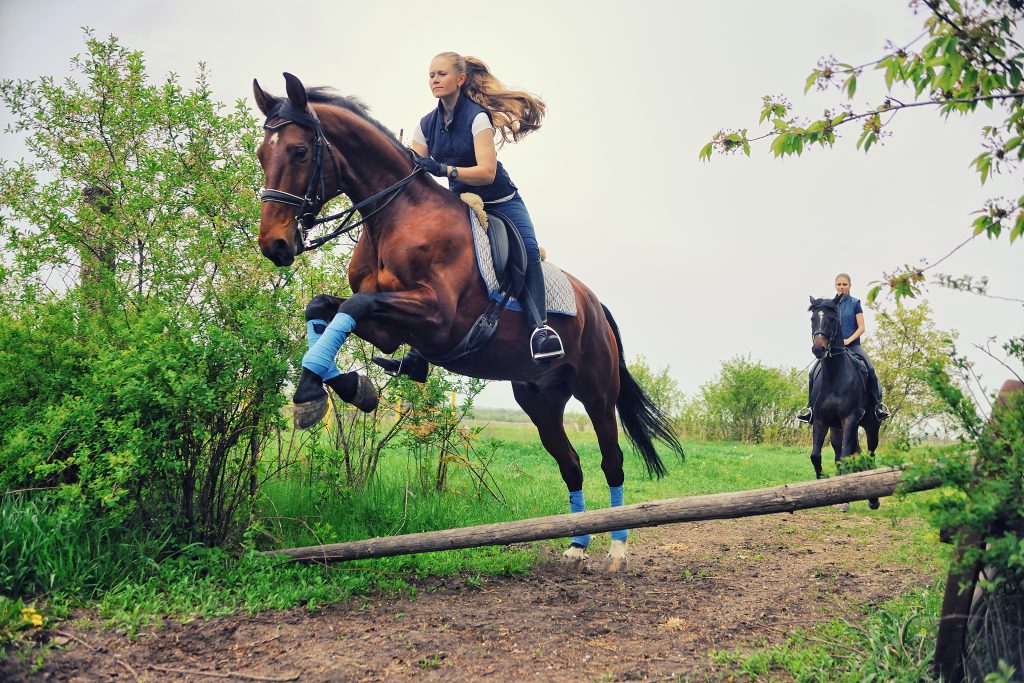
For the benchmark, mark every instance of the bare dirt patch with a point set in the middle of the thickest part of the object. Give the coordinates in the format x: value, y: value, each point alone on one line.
x: 689, y: 589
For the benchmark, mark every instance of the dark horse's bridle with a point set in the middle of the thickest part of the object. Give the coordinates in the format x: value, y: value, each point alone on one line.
x: 312, y: 202
x: 827, y: 330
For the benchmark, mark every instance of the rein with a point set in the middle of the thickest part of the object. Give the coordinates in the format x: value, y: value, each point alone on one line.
x: 310, y: 205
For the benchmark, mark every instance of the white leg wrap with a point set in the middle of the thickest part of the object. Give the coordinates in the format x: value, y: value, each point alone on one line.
x: 617, y: 560
x: 576, y: 554
x: 617, y: 550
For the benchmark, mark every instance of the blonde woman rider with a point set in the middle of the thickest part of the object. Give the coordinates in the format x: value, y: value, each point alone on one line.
x: 455, y: 140
x: 851, y: 325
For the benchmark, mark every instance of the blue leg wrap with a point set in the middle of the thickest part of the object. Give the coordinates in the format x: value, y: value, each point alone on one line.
x: 617, y: 497
x: 576, y: 504
x: 312, y: 335
x: 320, y: 357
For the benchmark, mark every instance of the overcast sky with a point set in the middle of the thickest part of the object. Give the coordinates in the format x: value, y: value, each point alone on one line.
x: 698, y: 262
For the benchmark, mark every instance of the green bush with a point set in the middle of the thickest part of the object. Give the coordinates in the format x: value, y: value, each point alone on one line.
x: 144, y: 343
x: 983, y: 510
x: 152, y: 422
x: 747, y: 402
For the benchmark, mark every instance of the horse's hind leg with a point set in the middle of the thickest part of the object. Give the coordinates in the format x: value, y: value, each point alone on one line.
x: 597, y: 392
x: 545, y: 407
x: 606, y: 428
x: 835, y: 436
x: 871, y: 429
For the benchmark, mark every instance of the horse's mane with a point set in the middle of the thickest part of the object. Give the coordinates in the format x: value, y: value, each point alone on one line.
x: 327, y: 95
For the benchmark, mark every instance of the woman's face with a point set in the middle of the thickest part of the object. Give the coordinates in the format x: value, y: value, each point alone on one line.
x: 444, y: 80
x: 842, y: 285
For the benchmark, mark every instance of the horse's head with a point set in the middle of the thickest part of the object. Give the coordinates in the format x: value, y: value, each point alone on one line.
x: 297, y: 182
x: 824, y: 324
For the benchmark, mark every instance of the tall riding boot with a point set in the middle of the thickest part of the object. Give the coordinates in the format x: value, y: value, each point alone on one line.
x: 881, y: 410
x: 807, y: 414
x: 413, y: 365
x: 545, y: 344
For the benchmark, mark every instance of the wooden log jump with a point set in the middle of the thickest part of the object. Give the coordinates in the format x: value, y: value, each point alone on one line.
x: 786, y: 498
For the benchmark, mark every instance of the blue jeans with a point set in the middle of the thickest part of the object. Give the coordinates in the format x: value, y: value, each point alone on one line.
x: 515, y: 209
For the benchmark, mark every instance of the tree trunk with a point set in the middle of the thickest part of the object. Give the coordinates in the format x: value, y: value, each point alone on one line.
x: 786, y: 498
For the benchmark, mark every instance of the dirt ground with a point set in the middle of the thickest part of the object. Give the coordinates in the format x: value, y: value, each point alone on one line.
x: 689, y: 589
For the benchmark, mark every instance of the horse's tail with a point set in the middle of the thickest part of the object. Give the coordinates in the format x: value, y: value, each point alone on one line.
x: 642, y: 419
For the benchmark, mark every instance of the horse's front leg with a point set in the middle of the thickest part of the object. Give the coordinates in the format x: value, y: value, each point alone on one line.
x: 351, y: 387
x: 817, y: 440
x: 341, y: 317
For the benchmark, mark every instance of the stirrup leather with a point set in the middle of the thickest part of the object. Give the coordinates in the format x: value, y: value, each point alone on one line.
x: 551, y: 334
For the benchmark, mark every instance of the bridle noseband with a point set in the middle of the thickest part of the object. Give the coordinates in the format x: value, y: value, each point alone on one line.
x: 312, y: 202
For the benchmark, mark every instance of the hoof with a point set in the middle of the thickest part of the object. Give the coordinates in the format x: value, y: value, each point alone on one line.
x: 617, y: 559
x: 575, y: 558
x: 308, y: 414
x: 843, y: 507
x: 873, y: 503
x: 366, y: 395
x: 615, y: 565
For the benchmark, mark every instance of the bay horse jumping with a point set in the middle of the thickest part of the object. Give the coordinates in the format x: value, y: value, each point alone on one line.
x: 415, y: 281
x: 840, y: 399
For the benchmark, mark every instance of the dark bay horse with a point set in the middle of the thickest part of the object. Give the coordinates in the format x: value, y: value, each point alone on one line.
x: 840, y: 399
x: 415, y: 281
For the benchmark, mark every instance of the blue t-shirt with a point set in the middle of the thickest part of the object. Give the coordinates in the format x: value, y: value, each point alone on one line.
x: 849, y: 307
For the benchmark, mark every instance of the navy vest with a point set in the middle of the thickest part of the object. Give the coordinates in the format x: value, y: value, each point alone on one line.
x: 452, y: 145
x: 848, y: 317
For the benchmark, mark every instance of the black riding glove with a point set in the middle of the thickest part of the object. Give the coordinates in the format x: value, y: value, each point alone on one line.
x: 431, y: 166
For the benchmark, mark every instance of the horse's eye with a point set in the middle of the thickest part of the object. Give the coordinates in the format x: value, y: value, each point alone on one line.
x: 299, y: 153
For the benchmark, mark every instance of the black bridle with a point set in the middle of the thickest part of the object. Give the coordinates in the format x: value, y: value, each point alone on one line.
x: 312, y: 202
x: 829, y: 330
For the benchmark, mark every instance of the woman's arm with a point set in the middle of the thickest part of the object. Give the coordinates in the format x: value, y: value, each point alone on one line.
x: 486, y: 160
x: 856, y: 333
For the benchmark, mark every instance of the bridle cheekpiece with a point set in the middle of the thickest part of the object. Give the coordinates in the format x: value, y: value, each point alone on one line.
x: 312, y: 202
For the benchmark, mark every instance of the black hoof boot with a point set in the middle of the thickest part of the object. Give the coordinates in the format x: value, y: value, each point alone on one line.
x: 873, y: 503
x: 356, y: 390
x: 310, y: 400
x: 414, y: 366
x: 545, y: 344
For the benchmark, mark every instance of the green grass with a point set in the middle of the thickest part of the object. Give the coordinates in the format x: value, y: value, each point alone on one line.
x: 891, y: 642
x: 95, y: 567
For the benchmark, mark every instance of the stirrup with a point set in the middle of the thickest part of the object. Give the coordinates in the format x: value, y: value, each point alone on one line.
x: 881, y: 411
x: 807, y: 416
x: 547, y: 333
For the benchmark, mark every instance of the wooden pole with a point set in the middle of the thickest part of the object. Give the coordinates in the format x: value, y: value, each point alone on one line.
x: 785, y: 498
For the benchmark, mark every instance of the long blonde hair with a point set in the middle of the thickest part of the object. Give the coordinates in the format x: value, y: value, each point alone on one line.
x: 514, y: 113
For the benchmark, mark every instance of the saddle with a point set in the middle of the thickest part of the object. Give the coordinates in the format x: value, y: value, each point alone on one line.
x: 508, y: 254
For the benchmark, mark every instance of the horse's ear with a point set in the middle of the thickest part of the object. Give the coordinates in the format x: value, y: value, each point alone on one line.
x: 264, y: 100
x: 812, y: 299
x: 296, y: 91
x: 836, y: 299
